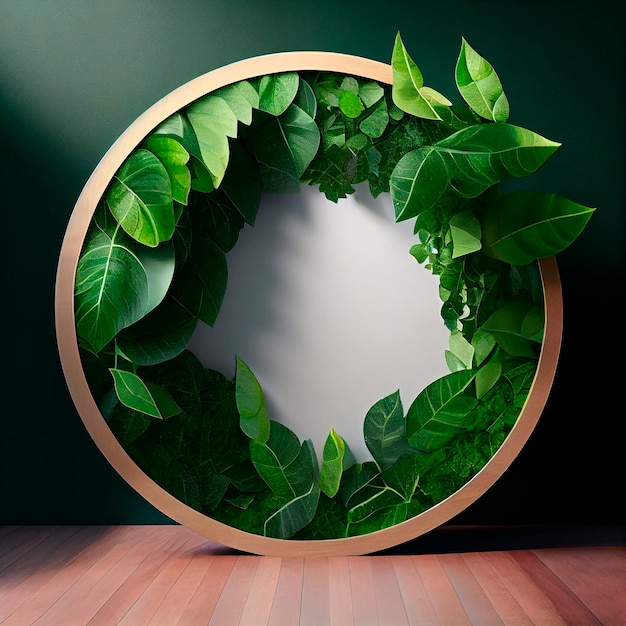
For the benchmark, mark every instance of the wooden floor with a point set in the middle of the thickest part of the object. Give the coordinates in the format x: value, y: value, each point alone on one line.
x: 145, y: 575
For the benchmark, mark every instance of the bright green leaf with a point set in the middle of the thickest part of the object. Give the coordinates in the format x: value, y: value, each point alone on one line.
x: 254, y: 418
x: 241, y: 98
x: 465, y: 232
x: 174, y: 159
x: 350, y: 104
x: 480, y: 86
x: 336, y: 457
x: 384, y: 430
x: 142, y: 396
x: 461, y: 348
x: 277, y: 92
x: 487, y: 376
x: 140, y: 198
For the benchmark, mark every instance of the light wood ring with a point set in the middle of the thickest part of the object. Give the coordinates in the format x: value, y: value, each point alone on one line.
x: 117, y: 456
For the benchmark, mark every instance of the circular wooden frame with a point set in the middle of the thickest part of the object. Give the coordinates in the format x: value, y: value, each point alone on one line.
x: 115, y: 453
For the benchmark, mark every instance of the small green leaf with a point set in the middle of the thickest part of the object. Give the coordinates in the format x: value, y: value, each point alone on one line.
x: 140, y: 198
x: 376, y: 122
x: 350, y: 104
x: 440, y: 411
x: 526, y: 225
x: 385, y: 431
x: 465, y: 232
x: 336, y: 458
x: 407, y: 85
x: 174, y: 159
x: 370, y: 93
x: 277, y: 92
x: 254, y: 418
x: 460, y: 347
x: 142, y: 396
x: 480, y: 86
x: 487, y: 376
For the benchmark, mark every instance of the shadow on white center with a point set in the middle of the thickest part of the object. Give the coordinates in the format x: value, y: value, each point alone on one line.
x: 330, y: 311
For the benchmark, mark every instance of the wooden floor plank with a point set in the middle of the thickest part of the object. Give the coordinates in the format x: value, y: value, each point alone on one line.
x: 443, y: 597
x: 473, y: 598
x: 535, y: 603
x: 168, y: 541
x: 315, y: 607
x: 364, y: 606
x: 503, y: 601
x: 596, y: 576
x: 258, y: 607
x: 340, y: 591
x: 28, y: 574
x: 419, y: 608
x: 20, y: 542
x: 389, y: 604
x: 33, y: 607
x: 229, y: 607
x: 200, y: 607
x: 288, y: 595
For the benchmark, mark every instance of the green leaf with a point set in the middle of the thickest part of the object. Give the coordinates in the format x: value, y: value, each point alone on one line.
x: 357, y: 481
x: 480, y: 86
x: 370, y: 93
x: 160, y: 336
x: 241, y: 98
x: 284, y: 147
x: 145, y: 397
x: 201, y: 284
x: 111, y: 290
x: 277, y: 92
x: 246, y: 198
x: 418, y: 180
x: 213, y: 122
x: 293, y: 516
x: 514, y: 325
x: 336, y: 458
x: 465, y: 232
x: 350, y: 104
x: 288, y: 468
x: 254, y: 418
x: 174, y: 159
x: 305, y: 98
x: 440, y: 410
x: 407, y: 87
x: 384, y: 430
x: 376, y: 122
x: 482, y: 155
x: 379, y: 497
x: 403, y: 476
x: 487, y: 376
x: 461, y: 348
x: 140, y: 198
x: 526, y: 225
x: 158, y: 264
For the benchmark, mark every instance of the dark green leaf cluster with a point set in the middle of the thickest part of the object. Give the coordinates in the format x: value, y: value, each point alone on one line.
x: 154, y: 263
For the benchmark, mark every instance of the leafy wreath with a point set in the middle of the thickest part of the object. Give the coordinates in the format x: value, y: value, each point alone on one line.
x: 153, y: 264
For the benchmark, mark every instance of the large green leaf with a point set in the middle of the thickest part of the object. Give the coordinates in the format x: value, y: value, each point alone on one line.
x: 480, y: 86
x: 160, y: 336
x: 140, y: 198
x: 293, y: 516
x: 288, y: 468
x: 213, y: 122
x: 242, y: 98
x: 418, y: 180
x: 277, y: 92
x: 336, y: 458
x: 142, y: 396
x: 111, y: 290
x: 254, y: 418
x: 440, y: 410
x: 174, y: 159
x: 284, y: 146
x: 482, y: 155
x: 515, y: 326
x: 200, y: 285
x: 384, y: 430
x: 408, y: 91
x: 526, y: 225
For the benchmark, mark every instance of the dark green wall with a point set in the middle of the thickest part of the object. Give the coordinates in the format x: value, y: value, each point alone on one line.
x: 75, y: 74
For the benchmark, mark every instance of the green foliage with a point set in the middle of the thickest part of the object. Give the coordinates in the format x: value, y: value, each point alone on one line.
x: 154, y: 264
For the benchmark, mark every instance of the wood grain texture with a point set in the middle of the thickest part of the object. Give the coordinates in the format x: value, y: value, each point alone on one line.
x: 115, y: 453
x: 166, y: 575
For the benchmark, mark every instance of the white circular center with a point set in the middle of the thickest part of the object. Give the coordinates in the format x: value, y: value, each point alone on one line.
x: 330, y: 311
